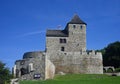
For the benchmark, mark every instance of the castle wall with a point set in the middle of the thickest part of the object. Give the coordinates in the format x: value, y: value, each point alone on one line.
x: 77, y: 62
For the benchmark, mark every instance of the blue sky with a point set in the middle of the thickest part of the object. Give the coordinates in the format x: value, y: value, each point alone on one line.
x: 23, y: 23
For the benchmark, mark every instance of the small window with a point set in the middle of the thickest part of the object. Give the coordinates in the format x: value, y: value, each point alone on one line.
x: 74, y: 26
x: 62, y: 48
x: 62, y: 40
x: 78, y: 44
x: 81, y: 27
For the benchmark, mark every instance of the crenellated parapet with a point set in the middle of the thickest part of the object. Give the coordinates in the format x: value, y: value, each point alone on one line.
x: 81, y: 54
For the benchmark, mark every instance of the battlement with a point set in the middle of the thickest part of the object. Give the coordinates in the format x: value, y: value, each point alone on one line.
x: 91, y: 53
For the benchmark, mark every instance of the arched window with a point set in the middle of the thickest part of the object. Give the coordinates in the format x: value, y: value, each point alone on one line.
x: 23, y: 71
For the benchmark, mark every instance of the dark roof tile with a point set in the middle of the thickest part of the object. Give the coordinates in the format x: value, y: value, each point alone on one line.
x: 76, y: 20
x: 56, y: 33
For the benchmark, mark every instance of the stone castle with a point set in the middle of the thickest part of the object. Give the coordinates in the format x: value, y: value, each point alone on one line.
x: 65, y: 52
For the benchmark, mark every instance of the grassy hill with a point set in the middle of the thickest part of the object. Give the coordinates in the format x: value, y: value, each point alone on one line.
x: 78, y: 79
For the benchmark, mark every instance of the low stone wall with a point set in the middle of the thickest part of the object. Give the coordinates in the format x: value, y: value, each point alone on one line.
x: 113, y: 74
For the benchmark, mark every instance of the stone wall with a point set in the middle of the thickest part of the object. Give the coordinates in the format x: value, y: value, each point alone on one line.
x: 77, y: 62
x: 75, y: 42
x: 38, y: 61
x: 74, y: 58
x: 49, y: 70
x: 77, y: 37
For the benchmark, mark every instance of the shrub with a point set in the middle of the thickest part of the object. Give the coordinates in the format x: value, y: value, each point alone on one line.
x: 117, y: 70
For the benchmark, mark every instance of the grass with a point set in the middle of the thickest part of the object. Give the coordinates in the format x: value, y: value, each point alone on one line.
x: 78, y: 79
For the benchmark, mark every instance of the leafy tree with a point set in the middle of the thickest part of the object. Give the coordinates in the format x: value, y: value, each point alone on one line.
x: 111, y: 55
x: 4, y: 74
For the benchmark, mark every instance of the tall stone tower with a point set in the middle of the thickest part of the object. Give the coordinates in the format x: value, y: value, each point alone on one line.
x: 76, y: 29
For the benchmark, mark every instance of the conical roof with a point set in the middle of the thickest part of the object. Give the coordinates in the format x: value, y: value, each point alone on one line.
x: 76, y: 20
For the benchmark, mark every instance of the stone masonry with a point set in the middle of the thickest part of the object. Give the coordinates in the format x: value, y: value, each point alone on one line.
x: 65, y: 52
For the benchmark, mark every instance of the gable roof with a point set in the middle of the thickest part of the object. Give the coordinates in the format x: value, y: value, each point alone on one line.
x: 76, y: 20
x: 56, y: 33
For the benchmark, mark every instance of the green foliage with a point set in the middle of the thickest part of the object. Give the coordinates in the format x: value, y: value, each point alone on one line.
x: 109, y: 71
x: 117, y: 70
x: 4, y: 74
x: 111, y: 54
x: 78, y: 79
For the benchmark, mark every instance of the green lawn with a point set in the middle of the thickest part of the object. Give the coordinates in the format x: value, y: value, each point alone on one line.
x: 78, y: 79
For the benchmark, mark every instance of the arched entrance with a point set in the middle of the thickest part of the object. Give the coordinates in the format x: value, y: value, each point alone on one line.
x: 23, y: 71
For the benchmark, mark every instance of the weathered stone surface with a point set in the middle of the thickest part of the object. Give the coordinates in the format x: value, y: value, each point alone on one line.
x: 50, y: 69
x: 78, y: 63
x: 74, y: 58
x: 38, y: 61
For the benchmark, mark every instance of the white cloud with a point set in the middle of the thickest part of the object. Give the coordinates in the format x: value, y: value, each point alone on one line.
x: 31, y: 33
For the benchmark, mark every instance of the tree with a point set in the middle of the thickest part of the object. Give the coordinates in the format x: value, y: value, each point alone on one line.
x: 4, y: 74
x: 111, y: 55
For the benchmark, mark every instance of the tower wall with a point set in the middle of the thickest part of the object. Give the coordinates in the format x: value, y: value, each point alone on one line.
x: 77, y: 37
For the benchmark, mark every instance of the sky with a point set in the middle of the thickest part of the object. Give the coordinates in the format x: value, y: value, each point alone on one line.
x: 23, y: 24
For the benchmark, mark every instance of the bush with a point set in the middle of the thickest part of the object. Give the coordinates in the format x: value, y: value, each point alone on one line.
x: 117, y: 70
x: 109, y: 70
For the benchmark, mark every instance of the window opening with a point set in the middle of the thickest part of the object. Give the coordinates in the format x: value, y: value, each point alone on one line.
x: 63, y: 41
x: 81, y: 27
x: 62, y: 48
x: 74, y: 26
